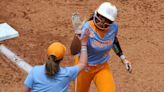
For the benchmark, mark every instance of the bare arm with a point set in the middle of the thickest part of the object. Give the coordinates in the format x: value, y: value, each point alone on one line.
x: 26, y: 89
x: 83, y: 58
x: 83, y: 55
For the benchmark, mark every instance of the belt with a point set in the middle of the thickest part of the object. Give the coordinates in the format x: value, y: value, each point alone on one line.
x: 96, y: 64
x: 94, y: 67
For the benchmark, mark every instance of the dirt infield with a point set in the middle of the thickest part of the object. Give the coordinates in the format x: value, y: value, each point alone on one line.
x: 41, y: 22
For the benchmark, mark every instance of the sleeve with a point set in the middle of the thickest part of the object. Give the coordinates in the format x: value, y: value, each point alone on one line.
x: 116, y: 45
x: 29, y: 79
x: 117, y: 48
x: 116, y: 27
x: 74, y: 70
x: 85, y: 26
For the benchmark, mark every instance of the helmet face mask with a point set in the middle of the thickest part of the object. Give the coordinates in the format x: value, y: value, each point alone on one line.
x: 101, y: 22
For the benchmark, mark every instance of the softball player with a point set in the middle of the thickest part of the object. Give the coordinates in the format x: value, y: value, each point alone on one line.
x: 50, y: 77
x: 103, y: 30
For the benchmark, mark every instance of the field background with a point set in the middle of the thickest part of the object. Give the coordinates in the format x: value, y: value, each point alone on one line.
x: 41, y: 22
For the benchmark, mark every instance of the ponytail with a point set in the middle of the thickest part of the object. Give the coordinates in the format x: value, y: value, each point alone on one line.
x: 52, y: 66
x: 90, y: 17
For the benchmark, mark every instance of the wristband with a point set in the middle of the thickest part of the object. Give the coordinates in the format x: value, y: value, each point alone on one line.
x: 83, y: 45
x: 84, y: 49
x: 122, y: 57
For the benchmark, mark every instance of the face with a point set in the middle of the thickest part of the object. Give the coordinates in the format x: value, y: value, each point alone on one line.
x: 102, y: 22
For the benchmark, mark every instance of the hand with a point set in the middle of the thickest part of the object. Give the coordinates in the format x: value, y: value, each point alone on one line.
x: 128, y: 65
x: 84, y: 37
x: 77, y: 23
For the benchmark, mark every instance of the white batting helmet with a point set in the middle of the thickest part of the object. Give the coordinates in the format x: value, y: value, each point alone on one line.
x: 107, y: 10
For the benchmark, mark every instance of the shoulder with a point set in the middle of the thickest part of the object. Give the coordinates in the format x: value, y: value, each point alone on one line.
x: 115, y: 24
x: 114, y: 27
x: 86, y: 24
x: 72, y: 69
x: 38, y: 68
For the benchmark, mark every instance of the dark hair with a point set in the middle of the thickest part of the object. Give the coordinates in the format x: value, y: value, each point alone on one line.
x: 90, y: 17
x: 52, y: 65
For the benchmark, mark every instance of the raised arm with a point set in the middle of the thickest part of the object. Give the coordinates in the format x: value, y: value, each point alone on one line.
x: 83, y: 55
x: 75, y: 45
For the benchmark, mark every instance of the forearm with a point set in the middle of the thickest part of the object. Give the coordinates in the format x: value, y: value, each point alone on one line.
x: 83, y: 57
x: 117, y: 49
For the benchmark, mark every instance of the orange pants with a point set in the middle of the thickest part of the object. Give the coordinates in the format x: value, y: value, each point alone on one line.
x: 101, y: 75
